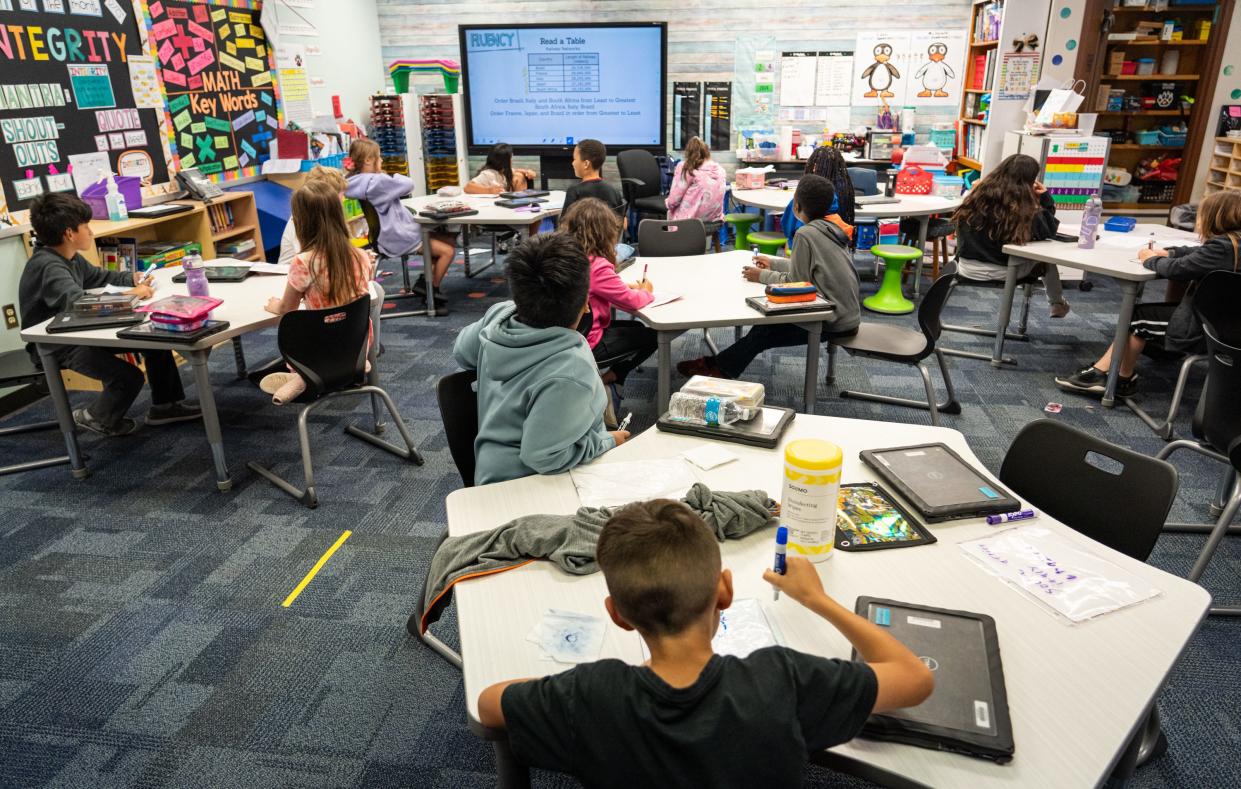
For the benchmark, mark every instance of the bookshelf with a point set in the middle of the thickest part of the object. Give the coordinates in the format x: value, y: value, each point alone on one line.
x: 1180, y: 48
x: 983, y: 119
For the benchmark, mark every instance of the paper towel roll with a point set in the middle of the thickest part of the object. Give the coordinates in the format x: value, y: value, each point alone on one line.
x: 786, y: 143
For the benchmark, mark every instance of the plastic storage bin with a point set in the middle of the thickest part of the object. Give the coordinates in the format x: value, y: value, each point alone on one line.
x: 96, y: 195
x: 1147, y: 137
x: 1176, y: 139
x: 1146, y: 66
x: 1156, y: 191
x: 949, y: 186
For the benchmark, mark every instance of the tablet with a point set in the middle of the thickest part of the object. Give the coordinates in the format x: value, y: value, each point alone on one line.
x: 938, y: 483
x: 764, y: 430
x: 869, y: 519
x: 220, y: 274
x: 968, y: 712
x: 149, y: 332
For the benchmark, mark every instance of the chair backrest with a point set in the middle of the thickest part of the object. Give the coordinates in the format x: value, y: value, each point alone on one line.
x: 931, y: 307
x: 1114, y: 495
x: 459, y: 410
x: 1215, y: 304
x: 372, y: 224
x: 639, y: 164
x: 658, y: 238
x: 865, y: 180
x: 1219, y: 416
x: 326, y: 347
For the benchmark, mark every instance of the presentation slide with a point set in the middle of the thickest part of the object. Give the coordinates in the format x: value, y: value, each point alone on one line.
x: 556, y: 85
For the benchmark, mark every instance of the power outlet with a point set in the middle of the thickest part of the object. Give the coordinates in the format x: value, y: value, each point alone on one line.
x: 10, y: 316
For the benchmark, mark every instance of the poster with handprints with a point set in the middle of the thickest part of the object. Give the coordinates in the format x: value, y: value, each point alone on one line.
x: 216, y: 66
x: 938, y: 65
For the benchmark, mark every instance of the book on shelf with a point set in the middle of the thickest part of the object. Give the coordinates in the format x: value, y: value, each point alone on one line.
x: 116, y: 253
x: 221, y: 217
x: 987, y: 21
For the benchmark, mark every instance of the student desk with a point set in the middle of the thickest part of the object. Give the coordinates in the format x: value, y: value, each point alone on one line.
x: 1111, y: 257
x: 488, y: 212
x: 1076, y: 694
x: 921, y: 207
x: 713, y: 293
x: 242, y: 308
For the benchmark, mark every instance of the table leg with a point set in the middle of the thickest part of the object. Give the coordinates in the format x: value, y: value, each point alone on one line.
x: 428, y: 275
x: 239, y: 358
x: 1006, y: 311
x: 211, y: 419
x: 924, y: 224
x: 64, y: 415
x: 1120, y: 339
x: 815, y: 336
x: 664, y: 393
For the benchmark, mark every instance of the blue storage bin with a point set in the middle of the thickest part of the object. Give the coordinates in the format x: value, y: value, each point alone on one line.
x: 1120, y: 224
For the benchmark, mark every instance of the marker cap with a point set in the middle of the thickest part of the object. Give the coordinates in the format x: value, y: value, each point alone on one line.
x: 782, y: 535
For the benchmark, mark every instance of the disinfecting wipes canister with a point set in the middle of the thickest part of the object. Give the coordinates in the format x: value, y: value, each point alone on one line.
x: 810, y: 497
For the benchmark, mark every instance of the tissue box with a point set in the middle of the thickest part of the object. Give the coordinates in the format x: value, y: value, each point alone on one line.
x: 752, y: 177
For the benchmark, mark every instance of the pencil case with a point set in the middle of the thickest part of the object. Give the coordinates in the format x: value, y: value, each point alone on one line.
x: 798, y: 298
x: 181, y: 313
x: 791, y: 289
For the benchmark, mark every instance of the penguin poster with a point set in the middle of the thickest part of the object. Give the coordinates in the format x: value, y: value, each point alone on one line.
x: 937, y: 68
x: 881, y: 69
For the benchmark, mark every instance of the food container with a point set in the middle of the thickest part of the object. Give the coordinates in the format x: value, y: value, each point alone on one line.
x: 747, y: 394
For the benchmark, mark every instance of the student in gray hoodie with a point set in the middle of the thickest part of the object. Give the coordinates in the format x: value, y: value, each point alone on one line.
x: 821, y: 255
x: 540, y: 398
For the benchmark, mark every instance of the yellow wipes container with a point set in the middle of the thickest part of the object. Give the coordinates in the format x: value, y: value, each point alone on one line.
x: 809, y: 499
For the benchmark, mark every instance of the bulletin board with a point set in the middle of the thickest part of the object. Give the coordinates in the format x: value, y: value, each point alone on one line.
x: 218, y: 74
x: 65, y: 90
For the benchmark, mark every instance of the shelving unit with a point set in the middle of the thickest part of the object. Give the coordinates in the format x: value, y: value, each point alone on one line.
x: 1225, y: 169
x: 435, y: 139
x: 1150, y: 102
x: 994, y: 24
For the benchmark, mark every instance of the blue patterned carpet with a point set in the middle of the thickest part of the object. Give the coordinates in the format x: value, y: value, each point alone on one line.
x: 142, y: 641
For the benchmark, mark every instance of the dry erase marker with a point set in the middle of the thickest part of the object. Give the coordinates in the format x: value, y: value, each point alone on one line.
x: 1023, y: 515
x: 645, y: 268
x: 624, y: 425
x: 780, y: 565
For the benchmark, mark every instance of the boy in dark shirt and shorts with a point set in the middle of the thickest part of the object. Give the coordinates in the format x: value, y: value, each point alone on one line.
x: 689, y: 717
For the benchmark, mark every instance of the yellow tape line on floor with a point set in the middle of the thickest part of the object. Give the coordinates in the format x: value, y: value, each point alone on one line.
x: 288, y: 601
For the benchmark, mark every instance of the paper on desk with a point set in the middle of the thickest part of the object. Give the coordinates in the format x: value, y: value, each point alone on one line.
x: 616, y: 484
x: 661, y: 299
x: 1071, y: 581
x: 1133, y: 242
x: 568, y: 637
x: 269, y: 268
x: 708, y: 456
x: 744, y: 628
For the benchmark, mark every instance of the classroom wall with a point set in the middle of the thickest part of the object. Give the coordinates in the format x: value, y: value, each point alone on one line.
x: 349, y: 62
x: 701, y: 35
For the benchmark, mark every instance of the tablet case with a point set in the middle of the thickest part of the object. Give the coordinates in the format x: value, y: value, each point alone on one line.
x: 220, y: 274
x: 440, y: 216
x: 67, y: 322
x: 761, y: 304
x: 859, y: 501
x: 525, y: 193
x: 761, y: 431
x: 968, y: 712
x: 938, y: 483
x: 520, y: 202
x: 148, y: 332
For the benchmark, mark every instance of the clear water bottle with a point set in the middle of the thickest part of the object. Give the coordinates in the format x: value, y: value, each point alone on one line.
x: 699, y: 410
x: 1091, y: 215
x: 195, y: 275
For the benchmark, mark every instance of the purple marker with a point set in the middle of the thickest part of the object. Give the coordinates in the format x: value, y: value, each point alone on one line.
x: 1023, y: 515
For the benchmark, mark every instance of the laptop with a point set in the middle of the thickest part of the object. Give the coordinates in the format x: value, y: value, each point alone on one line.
x: 220, y: 274
x: 939, y: 483
x: 865, y: 200
x: 67, y: 322
x: 156, y: 211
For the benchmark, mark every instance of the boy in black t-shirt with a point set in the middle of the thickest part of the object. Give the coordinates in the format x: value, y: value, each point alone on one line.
x: 689, y: 717
x: 588, y: 159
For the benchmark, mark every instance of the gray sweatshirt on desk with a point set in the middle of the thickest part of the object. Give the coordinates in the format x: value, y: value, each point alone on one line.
x: 821, y: 255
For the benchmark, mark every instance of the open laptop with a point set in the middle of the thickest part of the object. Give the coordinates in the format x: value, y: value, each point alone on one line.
x: 865, y: 200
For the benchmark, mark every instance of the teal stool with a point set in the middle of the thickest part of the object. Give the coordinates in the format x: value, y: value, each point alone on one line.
x: 889, y: 299
x: 767, y: 241
x: 741, y: 222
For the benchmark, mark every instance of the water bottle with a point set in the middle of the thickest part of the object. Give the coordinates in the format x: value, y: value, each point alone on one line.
x: 699, y: 410
x: 1090, y: 222
x: 195, y: 275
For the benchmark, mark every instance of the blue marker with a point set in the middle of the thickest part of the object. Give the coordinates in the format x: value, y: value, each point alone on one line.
x: 780, y: 565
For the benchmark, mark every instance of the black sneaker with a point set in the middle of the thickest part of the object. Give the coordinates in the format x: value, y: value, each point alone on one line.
x: 85, y: 421
x: 1093, y: 381
x: 184, y: 411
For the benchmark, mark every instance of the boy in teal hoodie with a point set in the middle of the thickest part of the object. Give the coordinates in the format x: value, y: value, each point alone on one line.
x: 540, y: 398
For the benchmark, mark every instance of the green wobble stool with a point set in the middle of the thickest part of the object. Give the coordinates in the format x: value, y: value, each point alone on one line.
x: 741, y: 222
x: 889, y: 299
x: 768, y: 242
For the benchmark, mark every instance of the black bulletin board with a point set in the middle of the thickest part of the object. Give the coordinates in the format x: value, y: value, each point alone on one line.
x: 65, y: 89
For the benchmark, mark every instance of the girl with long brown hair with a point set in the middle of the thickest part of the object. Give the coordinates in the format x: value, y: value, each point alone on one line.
x: 698, y: 185
x: 328, y: 272
x: 1008, y: 206
x: 1172, y: 326
x: 597, y: 228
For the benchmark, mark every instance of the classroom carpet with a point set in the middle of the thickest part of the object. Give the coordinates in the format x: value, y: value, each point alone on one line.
x: 143, y: 642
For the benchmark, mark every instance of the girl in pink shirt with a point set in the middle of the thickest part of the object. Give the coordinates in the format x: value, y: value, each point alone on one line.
x: 597, y: 228
x: 697, y: 185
